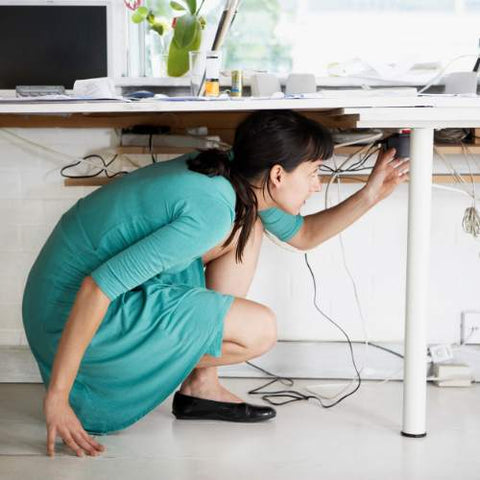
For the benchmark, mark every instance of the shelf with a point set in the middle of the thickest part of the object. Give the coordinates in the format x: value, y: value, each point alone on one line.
x: 445, y: 149
x: 155, y: 150
x: 436, y: 178
x: 349, y: 178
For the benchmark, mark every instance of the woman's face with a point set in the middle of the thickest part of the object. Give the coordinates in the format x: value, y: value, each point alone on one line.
x: 291, y: 189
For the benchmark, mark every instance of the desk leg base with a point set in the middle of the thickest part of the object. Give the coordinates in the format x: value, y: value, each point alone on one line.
x: 414, y: 435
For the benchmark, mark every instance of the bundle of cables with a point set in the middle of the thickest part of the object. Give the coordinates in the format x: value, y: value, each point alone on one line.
x: 471, y: 217
x: 471, y: 225
x: 283, y: 397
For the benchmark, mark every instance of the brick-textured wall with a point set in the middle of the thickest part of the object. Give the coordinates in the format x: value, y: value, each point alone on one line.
x: 32, y: 199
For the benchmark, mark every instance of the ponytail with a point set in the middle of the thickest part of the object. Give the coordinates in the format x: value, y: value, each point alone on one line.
x: 215, y: 162
x: 263, y: 139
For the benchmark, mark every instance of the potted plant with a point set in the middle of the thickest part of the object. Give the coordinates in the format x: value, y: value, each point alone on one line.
x: 187, y: 27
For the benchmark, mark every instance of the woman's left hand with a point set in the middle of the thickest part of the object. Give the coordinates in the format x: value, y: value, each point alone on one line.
x: 387, y: 173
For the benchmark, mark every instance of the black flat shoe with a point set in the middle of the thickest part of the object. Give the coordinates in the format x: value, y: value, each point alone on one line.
x: 193, y: 408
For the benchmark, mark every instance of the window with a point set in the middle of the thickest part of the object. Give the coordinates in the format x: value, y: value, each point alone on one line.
x: 320, y: 36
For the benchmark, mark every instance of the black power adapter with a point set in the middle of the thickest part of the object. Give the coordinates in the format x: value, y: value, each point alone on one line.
x: 146, y: 130
x: 400, y: 142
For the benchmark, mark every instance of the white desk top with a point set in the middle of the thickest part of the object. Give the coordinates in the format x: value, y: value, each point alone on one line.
x: 244, y: 104
x: 382, y: 111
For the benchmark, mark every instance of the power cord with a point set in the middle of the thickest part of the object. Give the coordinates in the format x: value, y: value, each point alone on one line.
x: 471, y: 224
x: 106, y: 165
x: 150, y: 148
x: 101, y: 170
x: 471, y: 217
x: 440, y: 73
x: 294, y: 395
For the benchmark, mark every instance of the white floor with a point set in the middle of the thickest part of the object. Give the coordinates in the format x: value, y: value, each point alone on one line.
x: 358, y: 439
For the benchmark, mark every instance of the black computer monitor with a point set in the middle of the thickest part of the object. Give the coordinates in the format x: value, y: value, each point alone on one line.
x: 52, y: 44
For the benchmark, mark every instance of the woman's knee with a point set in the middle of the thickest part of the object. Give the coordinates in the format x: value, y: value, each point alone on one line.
x: 267, y: 337
x: 251, y: 325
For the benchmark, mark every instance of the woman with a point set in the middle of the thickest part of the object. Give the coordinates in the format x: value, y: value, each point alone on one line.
x: 141, y: 286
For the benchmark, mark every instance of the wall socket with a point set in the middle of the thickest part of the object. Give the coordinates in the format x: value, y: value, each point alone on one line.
x: 470, y: 327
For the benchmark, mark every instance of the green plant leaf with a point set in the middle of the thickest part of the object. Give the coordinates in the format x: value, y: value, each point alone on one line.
x: 192, y: 6
x: 185, y: 30
x: 159, y: 25
x: 140, y: 14
x: 177, y: 6
x: 177, y: 63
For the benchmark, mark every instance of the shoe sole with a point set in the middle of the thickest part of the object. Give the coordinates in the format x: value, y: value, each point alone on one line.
x: 204, y: 417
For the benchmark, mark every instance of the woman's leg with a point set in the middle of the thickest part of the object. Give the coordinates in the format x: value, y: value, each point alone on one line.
x: 249, y: 329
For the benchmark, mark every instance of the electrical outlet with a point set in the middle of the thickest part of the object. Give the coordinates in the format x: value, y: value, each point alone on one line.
x: 470, y: 327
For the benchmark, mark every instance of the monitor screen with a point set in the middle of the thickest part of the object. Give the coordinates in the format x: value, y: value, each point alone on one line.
x: 52, y: 44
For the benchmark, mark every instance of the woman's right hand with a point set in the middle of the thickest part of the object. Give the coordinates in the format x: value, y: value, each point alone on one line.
x: 62, y: 421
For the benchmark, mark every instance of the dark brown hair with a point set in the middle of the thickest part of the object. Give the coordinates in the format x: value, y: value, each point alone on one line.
x: 263, y: 139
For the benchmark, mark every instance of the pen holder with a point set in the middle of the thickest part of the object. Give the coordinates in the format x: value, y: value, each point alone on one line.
x: 461, y: 83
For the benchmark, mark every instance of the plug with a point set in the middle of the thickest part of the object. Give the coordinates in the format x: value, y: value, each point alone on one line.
x: 440, y: 353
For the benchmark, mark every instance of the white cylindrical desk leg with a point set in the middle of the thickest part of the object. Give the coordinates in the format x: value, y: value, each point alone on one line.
x: 418, y: 252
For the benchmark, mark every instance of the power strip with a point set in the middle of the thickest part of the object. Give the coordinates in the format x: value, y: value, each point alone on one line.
x: 452, y: 375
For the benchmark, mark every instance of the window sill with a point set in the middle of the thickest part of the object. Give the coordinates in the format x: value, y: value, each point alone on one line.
x: 173, y: 82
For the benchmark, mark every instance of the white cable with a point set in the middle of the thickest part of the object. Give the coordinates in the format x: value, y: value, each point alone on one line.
x: 452, y: 189
x: 457, y: 176
x: 390, y: 376
x: 336, y: 174
x: 342, y: 246
x: 290, y: 248
x: 355, y: 290
x: 466, y: 152
x: 50, y: 150
x: 55, y: 152
x: 368, y: 139
x: 440, y: 73
x: 471, y: 217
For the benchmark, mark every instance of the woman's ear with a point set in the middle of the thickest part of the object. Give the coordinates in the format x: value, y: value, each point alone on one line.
x: 277, y: 174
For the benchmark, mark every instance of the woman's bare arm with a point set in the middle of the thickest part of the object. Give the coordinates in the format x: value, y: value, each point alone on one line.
x: 85, y: 317
x: 386, y: 175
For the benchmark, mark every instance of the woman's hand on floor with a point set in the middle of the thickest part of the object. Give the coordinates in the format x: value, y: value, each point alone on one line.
x: 62, y: 421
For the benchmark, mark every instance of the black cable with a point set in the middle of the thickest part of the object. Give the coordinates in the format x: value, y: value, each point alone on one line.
x: 359, y: 165
x: 326, y: 168
x: 150, y: 148
x: 294, y: 395
x: 355, y: 167
x: 104, y: 169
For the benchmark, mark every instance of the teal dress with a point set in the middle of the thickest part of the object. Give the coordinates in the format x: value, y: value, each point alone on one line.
x: 141, y: 238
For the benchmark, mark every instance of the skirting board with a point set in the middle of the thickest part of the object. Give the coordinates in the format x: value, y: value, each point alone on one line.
x: 296, y: 359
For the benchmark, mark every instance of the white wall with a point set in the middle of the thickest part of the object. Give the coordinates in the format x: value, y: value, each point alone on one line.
x: 375, y: 251
x: 375, y: 247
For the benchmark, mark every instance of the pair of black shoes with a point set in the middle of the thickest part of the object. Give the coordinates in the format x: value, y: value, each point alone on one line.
x: 193, y: 408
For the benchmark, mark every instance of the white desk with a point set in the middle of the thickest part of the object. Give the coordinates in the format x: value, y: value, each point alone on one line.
x: 421, y: 114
